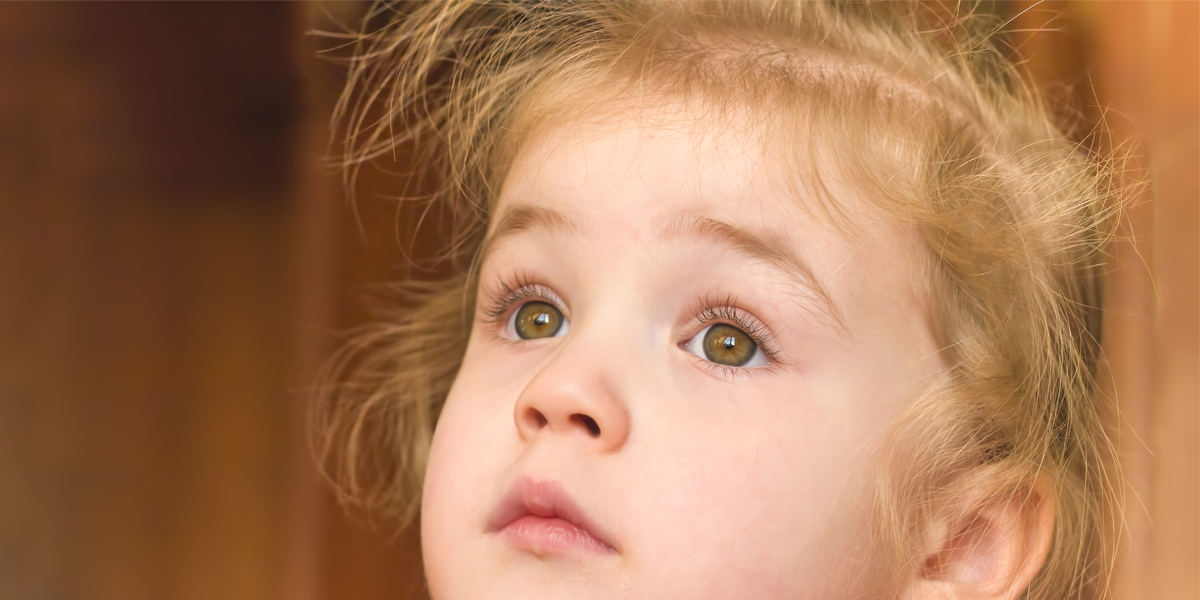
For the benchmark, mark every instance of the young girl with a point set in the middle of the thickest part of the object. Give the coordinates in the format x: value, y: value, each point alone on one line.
x: 757, y: 300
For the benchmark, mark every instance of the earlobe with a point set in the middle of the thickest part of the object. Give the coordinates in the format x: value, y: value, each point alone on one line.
x: 989, y: 548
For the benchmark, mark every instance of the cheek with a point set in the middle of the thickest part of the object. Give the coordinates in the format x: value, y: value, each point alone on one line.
x: 763, y: 510
x: 475, y: 428
x: 473, y: 432
x: 446, y: 498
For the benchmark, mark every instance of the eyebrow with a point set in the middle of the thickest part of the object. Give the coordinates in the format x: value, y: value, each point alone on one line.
x: 768, y: 247
x: 525, y: 217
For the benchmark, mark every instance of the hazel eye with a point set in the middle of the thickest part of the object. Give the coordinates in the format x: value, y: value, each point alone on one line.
x: 727, y: 345
x: 535, y: 320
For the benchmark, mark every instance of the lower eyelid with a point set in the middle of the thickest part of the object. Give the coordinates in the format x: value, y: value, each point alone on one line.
x: 726, y: 371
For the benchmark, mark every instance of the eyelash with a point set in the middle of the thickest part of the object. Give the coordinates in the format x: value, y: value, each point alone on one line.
x: 709, y: 311
x: 508, y: 292
x: 499, y: 300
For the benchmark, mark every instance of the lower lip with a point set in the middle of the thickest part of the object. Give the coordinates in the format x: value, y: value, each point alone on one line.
x: 541, y: 535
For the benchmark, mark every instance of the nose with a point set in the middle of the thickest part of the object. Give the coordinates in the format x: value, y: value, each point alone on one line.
x: 574, y: 397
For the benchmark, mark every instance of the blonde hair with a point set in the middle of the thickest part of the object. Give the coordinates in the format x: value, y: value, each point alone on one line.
x: 928, y: 119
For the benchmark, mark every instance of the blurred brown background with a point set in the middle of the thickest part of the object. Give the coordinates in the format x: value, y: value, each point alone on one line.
x: 176, y: 263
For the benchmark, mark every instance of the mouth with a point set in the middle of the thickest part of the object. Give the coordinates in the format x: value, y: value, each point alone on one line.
x: 541, y: 518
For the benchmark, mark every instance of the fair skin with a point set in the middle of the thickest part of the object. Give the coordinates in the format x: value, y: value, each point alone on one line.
x: 689, y: 479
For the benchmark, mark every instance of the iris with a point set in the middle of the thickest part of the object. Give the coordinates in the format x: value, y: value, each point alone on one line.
x: 728, y: 345
x: 537, y: 320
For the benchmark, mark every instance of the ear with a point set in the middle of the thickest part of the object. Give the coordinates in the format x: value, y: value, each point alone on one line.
x: 990, y: 548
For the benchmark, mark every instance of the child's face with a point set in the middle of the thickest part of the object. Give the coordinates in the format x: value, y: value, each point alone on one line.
x: 676, y: 380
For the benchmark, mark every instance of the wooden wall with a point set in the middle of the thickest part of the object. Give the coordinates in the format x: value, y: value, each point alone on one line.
x: 145, y: 314
x: 1144, y: 58
x: 175, y: 264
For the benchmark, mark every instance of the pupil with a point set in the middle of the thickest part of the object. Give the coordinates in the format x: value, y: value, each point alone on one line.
x: 730, y: 343
x: 541, y: 319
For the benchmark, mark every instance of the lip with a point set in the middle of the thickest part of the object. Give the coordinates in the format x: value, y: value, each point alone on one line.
x: 540, y: 517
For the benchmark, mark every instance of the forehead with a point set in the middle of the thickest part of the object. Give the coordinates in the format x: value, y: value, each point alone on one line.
x: 647, y: 166
x: 642, y: 168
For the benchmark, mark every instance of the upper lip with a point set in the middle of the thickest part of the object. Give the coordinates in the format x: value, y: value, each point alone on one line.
x: 547, y: 499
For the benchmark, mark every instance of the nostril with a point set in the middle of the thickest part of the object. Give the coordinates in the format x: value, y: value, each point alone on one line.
x: 535, y: 418
x: 592, y: 427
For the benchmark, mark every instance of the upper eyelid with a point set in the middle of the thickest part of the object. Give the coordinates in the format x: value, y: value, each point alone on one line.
x: 503, y: 296
x: 739, y: 317
x: 707, y: 313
